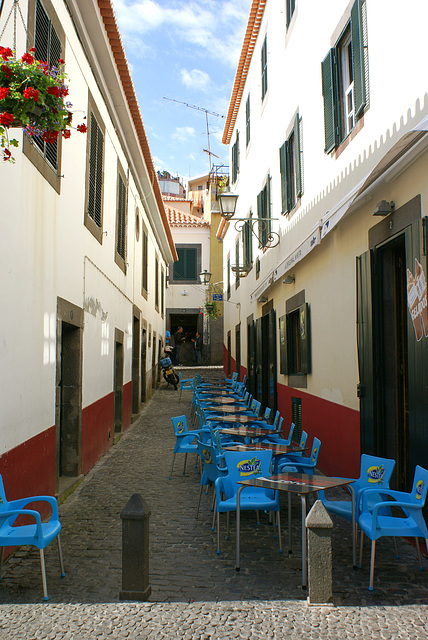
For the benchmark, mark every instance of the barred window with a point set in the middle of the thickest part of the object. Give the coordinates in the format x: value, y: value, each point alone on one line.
x: 121, y: 222
x: 95, y: 179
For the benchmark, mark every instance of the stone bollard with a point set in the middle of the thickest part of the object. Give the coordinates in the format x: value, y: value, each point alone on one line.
x: 135, y: 550
x: 320, y: 576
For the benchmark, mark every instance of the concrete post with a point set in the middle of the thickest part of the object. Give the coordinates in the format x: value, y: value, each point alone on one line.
x: 320, y: 575
x: 135, y: 550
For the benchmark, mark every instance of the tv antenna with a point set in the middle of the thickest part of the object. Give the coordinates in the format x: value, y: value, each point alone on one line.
x: 207, y: 112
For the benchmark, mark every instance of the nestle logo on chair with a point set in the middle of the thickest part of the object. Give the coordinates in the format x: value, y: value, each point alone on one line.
x: 249, y: 467
x: 375, y: 474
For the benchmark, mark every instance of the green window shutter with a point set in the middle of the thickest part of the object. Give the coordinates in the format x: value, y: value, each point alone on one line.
x: 268, y: 211
x: 298, y: 157
x: 305, y: 340
x: 283, y: 345
x: 121, y: 218
x: 95, y: 177
x: 247, y: 120
x: 358, y: 57
x: 260, y: 213
x: 186, y: 267
x: 41, y: 35
x: 283, y: 170
x: 328, y: 67
x: 264, y: 67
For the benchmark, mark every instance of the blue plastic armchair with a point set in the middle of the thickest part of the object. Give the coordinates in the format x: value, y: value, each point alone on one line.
x: 39, y: 534
x: 302, y: 465
x: 408, y: 522
x: 185, y: 383
x: 244, y: 466
x: 211, y: 461
x: 185, y: 440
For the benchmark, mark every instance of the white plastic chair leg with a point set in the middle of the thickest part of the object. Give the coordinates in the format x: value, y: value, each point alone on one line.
x: 61, y: 561
x: 42, y: 566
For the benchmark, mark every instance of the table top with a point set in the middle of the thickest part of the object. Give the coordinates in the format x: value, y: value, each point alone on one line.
x: 217, y: 393
x: 277, y: 449
x: 228, y: 408
x: 225, y: 401
x: 301, y: 483
x: 237, y: 417
x: 246, y: 431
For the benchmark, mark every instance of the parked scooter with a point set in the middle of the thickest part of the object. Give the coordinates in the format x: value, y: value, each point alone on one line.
x: 168, y: 370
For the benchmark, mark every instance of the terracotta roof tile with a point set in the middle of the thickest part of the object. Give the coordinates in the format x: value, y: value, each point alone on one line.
x: 179, y: 218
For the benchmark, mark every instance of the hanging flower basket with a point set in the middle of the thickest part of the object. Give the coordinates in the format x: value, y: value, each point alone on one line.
x: 32, y: 97
x: 211, y: 310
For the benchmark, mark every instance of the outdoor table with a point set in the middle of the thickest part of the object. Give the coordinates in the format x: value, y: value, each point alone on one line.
x: 246, y: 432
x: 217, y: 393
x: 300, y: 484
x: 240, y: 419
x: 230, y: 408
x: 226, y: 401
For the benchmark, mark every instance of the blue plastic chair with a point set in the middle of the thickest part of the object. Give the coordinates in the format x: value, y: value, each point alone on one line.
x: 375, y: 522
x: 212, y: 468
x: 233, y: 378
x: 185, y: 384
x: 242, y: 466
x: 185, y: 440
x: 39, y: 534
x: 302, y: 465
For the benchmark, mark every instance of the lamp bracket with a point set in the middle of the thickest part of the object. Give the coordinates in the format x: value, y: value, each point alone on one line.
x: 264, y: 223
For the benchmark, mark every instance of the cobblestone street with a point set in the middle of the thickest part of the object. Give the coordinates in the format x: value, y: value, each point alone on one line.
x: 195, y: 593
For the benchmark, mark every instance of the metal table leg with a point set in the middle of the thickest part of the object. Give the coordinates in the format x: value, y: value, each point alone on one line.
x: 304, y: 545
x: 238, y: 525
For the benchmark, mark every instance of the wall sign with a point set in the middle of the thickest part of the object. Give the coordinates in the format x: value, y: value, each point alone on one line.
x: 417, y: 300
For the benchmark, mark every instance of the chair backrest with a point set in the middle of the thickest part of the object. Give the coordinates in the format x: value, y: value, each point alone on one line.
x: 275, y: 420
x: 255, y: 407
x: 290, y: 433
x: 180, y: 424
x: 208, y: 456
x: 244, y: 379
x: 303, y: 439
x: 316, y: 445
x: 267, y: 413
x: 234, y: 376
x: 245, y: 465
x: 420, y: 486
x: 374, y: 471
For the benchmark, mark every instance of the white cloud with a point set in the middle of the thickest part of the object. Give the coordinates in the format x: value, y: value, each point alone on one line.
x: 196, y: 79
x: 182, y: 134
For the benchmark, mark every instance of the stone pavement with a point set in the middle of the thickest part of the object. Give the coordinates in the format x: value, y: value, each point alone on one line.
x: 195, y: 593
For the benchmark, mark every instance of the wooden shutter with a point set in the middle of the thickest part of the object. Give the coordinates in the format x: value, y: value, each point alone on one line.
x: 247, y: 119
x: 328, y: 67
x: 358, y: 57
x: 283, y: 170
x: 305, y: 338
x: 260, y: 215
x: 95, y: 178
x: 298, y: 156
x: 121, y: 217
x: 264, y: 67
x: 282, y: 324
x: 41, y: 35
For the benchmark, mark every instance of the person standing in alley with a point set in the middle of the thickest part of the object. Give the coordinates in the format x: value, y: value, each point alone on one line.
x: 197, y: 348
x: 178, y: 340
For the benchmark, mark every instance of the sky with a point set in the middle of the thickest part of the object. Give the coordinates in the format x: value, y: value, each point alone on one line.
x: 186, y: 51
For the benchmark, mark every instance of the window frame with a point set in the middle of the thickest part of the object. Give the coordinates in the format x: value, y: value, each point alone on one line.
x: 235, y: 159
x: 290, y: 6
x: 121, y: 219
x: 29, y: 147
x: 144, y: 262
x: 248, y: 120
x: 335, y: 131
x: 295, y: 341
x: 89, y: 221
x: 264, y: 210
x: 264, y: 69
x: 291, y: 167
x: 172, y: 268
x: 247, y: 242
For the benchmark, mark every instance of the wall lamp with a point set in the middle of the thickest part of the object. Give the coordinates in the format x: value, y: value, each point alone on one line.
x: 227, y: 203
x: 205, y: 277
x: 262, y: 299
x: 289, y: 280
x: 383, y: 208
x: 241, y: 270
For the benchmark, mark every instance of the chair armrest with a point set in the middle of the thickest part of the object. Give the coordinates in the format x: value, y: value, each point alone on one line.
x: 20, y: 503
x: 26, y: 512
x: 366, y: 493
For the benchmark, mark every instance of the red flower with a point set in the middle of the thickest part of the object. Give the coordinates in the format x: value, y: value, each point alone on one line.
x: 6, y: 154
x: 82, y: 128
x: 63, y: 91
x: 27, y: 57
x: 4, y: 92
x: 54, y: 91
x: 50, y: 136
x: 61, y: 61
x: 7, y: 72
x: 66, y: 133
x: 6, y: 119
x: 30, y: 93
x: 6, y: 53
x: 32, y: 49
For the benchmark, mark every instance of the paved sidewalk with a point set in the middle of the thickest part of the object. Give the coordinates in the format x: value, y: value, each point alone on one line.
x: 195, y: 593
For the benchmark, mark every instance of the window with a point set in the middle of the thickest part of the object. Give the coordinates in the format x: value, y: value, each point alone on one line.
x: 290, y: 6
x: 290, y: 162
x: 156, y: 284
x: 48, y: 41
x: 186, y: 270
x: 295, y: 346
x: 228, y: 278
x: 247, y: 242
x: 264, y: 68
x: 237, y: 279
x: 247, y: 120
x: 345, y: 79
x: 95, y: 176
x: 235, y: 159
x: 162, y: 292
x: 144, y: 275
x: 263, y: 211
x: 121, y: 220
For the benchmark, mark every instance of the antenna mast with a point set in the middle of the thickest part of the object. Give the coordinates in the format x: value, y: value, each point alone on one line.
x: 206, y: 111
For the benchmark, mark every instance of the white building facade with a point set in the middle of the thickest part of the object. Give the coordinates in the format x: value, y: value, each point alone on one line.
x: 85, y: 249
x: 327, y: 119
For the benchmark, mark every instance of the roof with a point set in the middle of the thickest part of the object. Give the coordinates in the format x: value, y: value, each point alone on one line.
x: 121, y: 62
x: 253, y: 28
x: 179, y: 218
